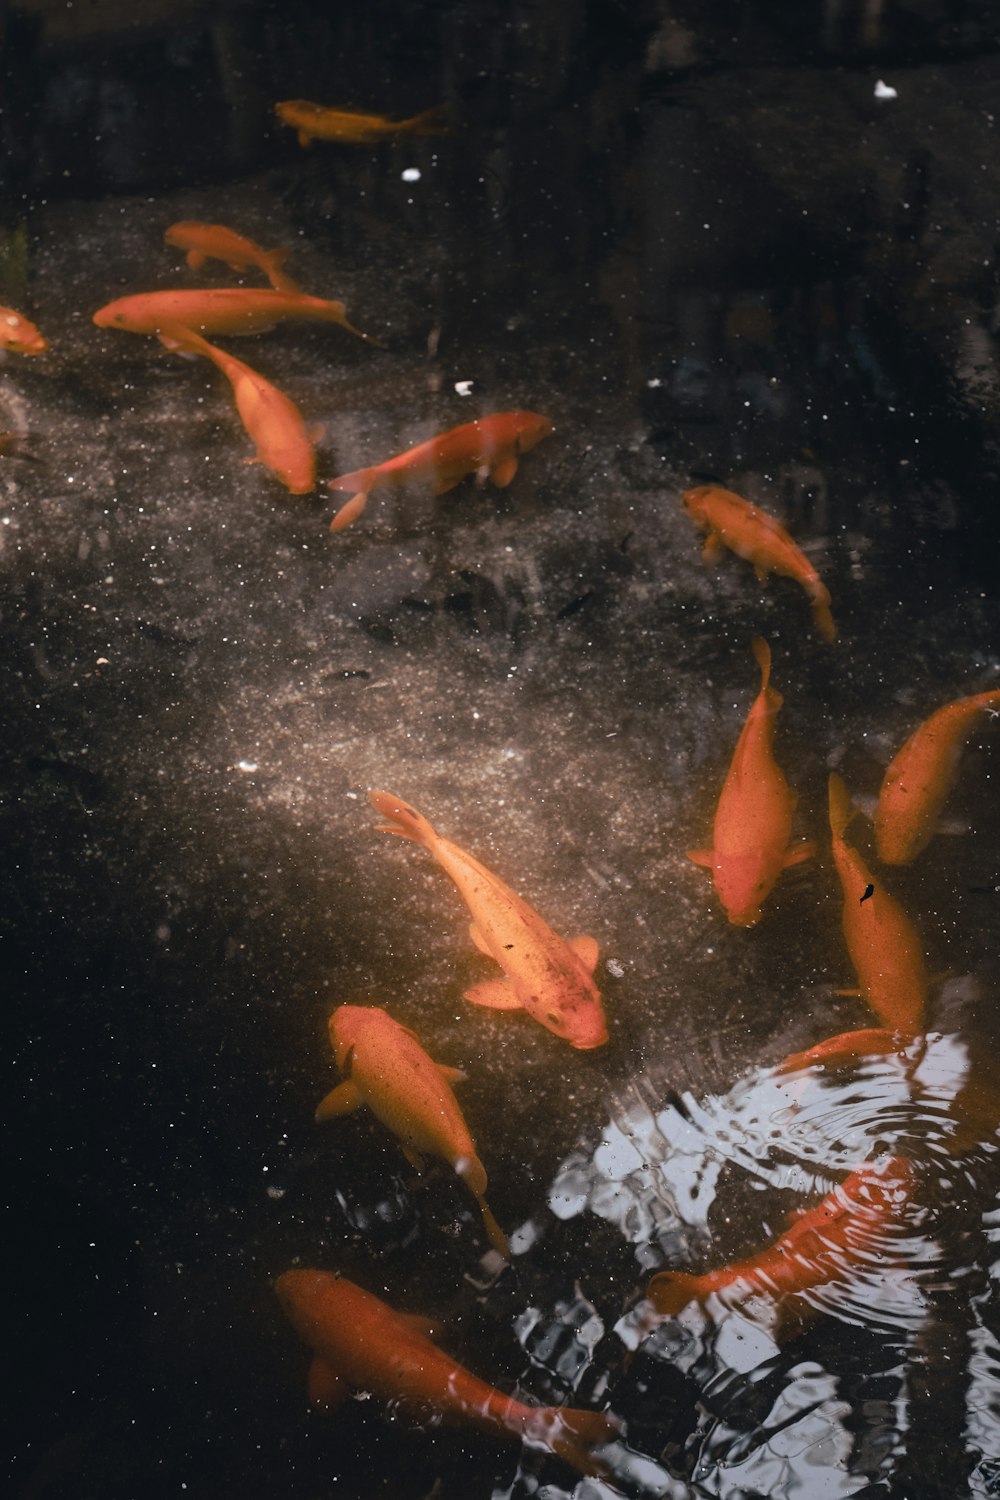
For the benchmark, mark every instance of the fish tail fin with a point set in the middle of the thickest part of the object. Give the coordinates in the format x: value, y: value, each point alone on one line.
x: 573, y: 1435
x: 822, y: 618
x: 671, y: 1291
x: 982, y: 701
x: 358, y: 479
x: 842, y: 809
x: 433, y: 121
x: 181, y: 339
x: 271, y: 264
x: 349, y: 511
x: 403, y: 820
x: 473, y: 1174
x: 336, y: 312
x: 762, y: 655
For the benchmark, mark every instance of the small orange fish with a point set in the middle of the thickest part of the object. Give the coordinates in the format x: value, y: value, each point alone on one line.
x: 359, y: 1343
x: 753, y: 821
x: 215, y: 242
x: 273, y: 421
x: 315, y: 122
x: 489, y: 446
x: 847, y: 1047
x: 921, y: 776
x: 386, y: 1068
x: 751, y: 533
x: 19, y: 334
x: 229, y: 309
x: 882, y: 941
x: 549, y: 978
x: 821, y: 1245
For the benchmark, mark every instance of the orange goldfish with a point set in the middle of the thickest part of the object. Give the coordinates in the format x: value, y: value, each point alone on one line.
x: 273, y: 421
x: 549, y: 978
x: 753, y: 821
x: 315, y: 122
x: 821, y: 1245
x: 846, y: 1047
x: 19, y: 334
x: 883, y: 943
x: 228, y: 309
x: 751, y: 533
x: 215, y: 242
x: 360, y: 1343
x: 488, y: 446
x: 921, y: 776
x: 385, y: 1067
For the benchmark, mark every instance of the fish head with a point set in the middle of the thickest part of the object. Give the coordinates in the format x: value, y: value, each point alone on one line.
x: 312, y: 1300
x: 293, y: 111
x: 531, y: 428
x: 579, y: 1021
x: 694, y: 500
x: 20, y: 335
x: 350, y: 1026
x: 109, y: 317
x: 743, y: 883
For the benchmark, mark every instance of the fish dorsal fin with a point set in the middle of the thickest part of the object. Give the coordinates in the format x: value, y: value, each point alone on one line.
x: 343, y: 1100
x: 326, y: 1388
x: 479, y: 940
x: 586, y: 950
x: 494, y: 994
x: 703, y: 857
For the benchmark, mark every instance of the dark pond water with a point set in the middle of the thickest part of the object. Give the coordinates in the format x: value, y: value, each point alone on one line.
x: 748, y: 243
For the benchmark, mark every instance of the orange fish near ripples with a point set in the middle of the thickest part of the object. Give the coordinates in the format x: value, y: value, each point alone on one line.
x: 359, y: 1343
x: 19, y: 334
x: 549, y: 978
x: 215, y: 242
x: 822, y: 1245
x: 228, y: 309
x: 753, y: 821
x: 752, y: 533
x: 317, y: 122
x: 490, y: 446
x: 920, y: 777
x: 883, y: 943
x: 387, y: 1069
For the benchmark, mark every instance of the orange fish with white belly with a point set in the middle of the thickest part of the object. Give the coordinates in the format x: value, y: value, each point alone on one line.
x: 549, y: 978
x: 823, y: 1244
x: 224, y: 309
x: 273, y: 421
x: 883, y: 943
x: 386, y: 1068
x: 217, y: 242
x: 753, y: 821
x: 920, y: 777
x: 753, y: 534
x: 359, y: 1343
x: 18, y: 334
x: 489, y: 446
x: 319, y: 122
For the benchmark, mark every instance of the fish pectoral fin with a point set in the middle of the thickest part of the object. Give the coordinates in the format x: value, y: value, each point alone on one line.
x: 413, y: 1157
x: 712, y: 548
x: 494, y: 994
x: 304, y: 139
x: 317, y: 432
x: 703, y: 857
x: 586, y: 950
x: 451, y: 1075
x: 326, y: 1388
x: 479, y: 940
x: 796, y: 855
x: 343, y: 1100
x: 196, y: 259
x: 446, y: 482
x: 762, y: 573
x: 503, y: 472
x: 853, y: 993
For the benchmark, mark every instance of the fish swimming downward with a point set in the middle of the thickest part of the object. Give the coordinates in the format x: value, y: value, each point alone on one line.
x: 823, y: 1244
x: 753, y: 820
x: 226, y: 309
x: 489, y: 446
x: 920, y: 777
x: 884, y: 945
x: 271, y: 418
x: 18, y: 334
x: 387, y: 1069
x: 542, y: 974
x: 318, y: 122
x: 753, y: 534
x: 360, y: 1343
x: 216, y: 242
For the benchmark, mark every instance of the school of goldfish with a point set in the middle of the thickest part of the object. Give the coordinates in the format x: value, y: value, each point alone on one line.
x: 358, y: 1341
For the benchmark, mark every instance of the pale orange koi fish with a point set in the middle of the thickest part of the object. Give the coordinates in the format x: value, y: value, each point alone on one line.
x: 228, y: 309
x: 883, y: 943
x: 215, y: 242
x: 316, y: 122
x: 921, y: 776
x: 272, y: 420
x: 822, y: 1244
x: 387, y: 1069
x: 753, y: 534
x: 489, y: 446
x: 359, y: 1343
x: 846, y: 1047
x: 753, y: 821
x: 19, y: 334
x: 549, y: 978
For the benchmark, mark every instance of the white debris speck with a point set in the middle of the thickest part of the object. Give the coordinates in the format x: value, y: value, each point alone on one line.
x: 615, y: 967
x: 411, y: 174
x: 246, y: 765
x: 275, y: 1192
x: 102, y: 661
x: 464, y: 387
x: 655, y: 383
x: 885, y: 91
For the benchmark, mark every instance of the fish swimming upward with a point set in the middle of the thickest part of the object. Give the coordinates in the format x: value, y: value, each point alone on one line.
x: 387, y: 1069
x: 751, y: 533
x: 229, y: 309
x: 215, y: 242
x: 18, y: 334
x: 549, y: 978
x: 920, y: 777
x: 883, y: 943
x: 489, y: 446
x: 753, y: 821
x: 822, y: 1245
x: 273, y: 421
x: 359, y: 1343
x: 316, y: 122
